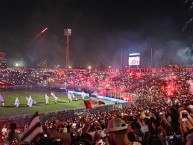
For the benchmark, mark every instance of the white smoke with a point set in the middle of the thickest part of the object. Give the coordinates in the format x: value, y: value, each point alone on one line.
x: 158, y: 54
x: 185, y: 54
x: 175, y: 52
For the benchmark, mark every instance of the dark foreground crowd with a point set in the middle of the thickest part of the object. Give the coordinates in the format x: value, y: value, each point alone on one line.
x: 161, y: 122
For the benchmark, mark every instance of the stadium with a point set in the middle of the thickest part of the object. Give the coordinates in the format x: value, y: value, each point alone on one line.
x: 96, y: 72
x: 116, y: 88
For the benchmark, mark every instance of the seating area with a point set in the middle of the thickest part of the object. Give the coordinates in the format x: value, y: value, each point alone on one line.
x: 161, y: 108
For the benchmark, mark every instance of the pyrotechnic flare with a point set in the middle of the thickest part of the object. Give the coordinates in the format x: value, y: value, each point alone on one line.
x: 38, y: 35
x: 41, y: 33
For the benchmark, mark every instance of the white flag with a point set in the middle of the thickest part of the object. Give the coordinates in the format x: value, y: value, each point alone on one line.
x: 16, y: 104
x: 30, y: 101
x: 1, y: 98
x: 83, y: 94
x: 69, y: 96
x: 53, y: 95
x: 46, y: 99
x: 27, y: 98
x: 73, y: 96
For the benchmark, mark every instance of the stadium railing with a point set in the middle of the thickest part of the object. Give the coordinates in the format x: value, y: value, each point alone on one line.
x: 59, y: 114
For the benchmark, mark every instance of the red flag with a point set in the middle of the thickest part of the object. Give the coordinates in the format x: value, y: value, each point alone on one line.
x: 88, y: 104
x: 92, y: 103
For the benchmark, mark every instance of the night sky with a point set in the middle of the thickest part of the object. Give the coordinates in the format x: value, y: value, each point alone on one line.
x: 101, y: 31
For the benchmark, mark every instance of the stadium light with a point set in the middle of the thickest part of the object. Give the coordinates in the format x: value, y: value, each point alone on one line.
x: 89, y: 67
x: 57, y: 65
x: 19, y: 63
x: 16, y: 64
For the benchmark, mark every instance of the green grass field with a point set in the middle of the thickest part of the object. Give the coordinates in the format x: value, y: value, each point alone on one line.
x: 10, y: 110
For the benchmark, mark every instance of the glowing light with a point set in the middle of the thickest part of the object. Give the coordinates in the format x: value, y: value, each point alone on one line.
x: 16, y: 64
x: 44, y: 30
x: 89, y: 67
x: 169, y: 88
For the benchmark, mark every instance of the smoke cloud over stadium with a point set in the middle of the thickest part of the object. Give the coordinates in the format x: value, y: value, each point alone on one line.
x: 101, y: 33
x: 175, y: 52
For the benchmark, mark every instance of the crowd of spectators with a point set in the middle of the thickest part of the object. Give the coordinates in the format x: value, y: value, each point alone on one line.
x: 100, y: 81
x: 162, y: 111
x: 160, y: 122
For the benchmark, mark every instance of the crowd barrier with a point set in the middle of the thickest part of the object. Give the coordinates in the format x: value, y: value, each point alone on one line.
x: 60, y: 114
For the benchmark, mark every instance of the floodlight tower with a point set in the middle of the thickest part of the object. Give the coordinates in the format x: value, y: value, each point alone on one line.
x: 67, y: 33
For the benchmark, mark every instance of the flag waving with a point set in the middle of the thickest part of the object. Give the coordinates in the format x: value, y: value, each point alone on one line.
x: 54, y: 96
x: 83, y: 95
x: 16, y: 102
x: 29, y: 101
x: 34, y: 130
x: 1, y: 98
x: 89, y: 104
x: 46, y: 99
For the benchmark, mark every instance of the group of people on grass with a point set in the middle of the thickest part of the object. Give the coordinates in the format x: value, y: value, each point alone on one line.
x: 30, y: 101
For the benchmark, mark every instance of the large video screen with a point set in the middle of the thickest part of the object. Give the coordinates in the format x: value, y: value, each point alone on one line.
x: 134, y: 59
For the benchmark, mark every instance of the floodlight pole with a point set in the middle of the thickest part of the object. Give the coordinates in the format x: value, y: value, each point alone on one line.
x: 67, y: 33
x: 151, y: 57
x: 121, y: 59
